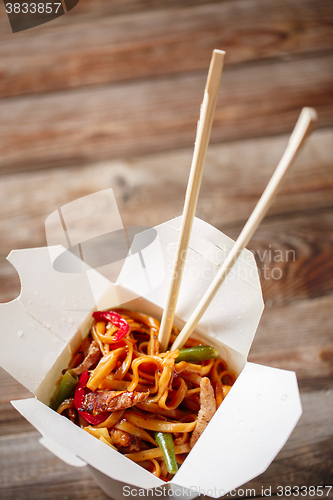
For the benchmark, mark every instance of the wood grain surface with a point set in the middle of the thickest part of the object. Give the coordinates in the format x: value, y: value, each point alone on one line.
x: 55, y: 129
x: 185, y: 38
x: 109, y: 96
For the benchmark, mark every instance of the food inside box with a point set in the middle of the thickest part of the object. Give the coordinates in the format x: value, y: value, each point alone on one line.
x: 150, y: 406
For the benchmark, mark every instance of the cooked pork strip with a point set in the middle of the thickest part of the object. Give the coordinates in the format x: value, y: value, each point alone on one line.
x: 97, y: 402
x: 84, y: 348
x: 91, y: 358
x: 207, y: 409
x: 122, y: 439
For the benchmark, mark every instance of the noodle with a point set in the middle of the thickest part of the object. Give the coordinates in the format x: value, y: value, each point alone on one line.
x: 131, y: 391
x: 156, y: 452
x: 125, y: 426
x: 158, y: 425
x: 104, y: 367
x: 111, y: 420
x: 66, y: 405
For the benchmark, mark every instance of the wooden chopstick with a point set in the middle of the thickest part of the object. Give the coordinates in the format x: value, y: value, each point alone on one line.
x: 192, y: 192
x: 303, y: 126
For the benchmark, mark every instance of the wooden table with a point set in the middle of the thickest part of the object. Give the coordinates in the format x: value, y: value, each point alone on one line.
x: 109, y: 96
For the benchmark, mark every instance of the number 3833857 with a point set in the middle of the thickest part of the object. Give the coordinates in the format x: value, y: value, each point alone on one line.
x: 303, y: 491
x: 32, y: 8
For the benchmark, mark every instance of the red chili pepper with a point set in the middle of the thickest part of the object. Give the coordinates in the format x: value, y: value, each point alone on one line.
x: 116, y: 320
x: 80, y: 392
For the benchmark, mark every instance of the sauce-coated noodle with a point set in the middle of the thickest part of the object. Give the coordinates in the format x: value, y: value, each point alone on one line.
x: 132, y: 394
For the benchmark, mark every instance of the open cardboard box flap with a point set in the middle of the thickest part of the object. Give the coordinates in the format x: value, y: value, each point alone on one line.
x: 43, y: 327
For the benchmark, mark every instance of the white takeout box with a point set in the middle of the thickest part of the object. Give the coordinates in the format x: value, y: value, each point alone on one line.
x: 42, y: 328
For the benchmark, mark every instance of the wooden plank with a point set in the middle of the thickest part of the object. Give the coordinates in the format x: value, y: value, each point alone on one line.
x: 122, y: 120
x: 151, y: 188
x: 97, y: 47
x: 235, y: 176
x: 294, y: 255
x: 11, y: 422
x: 27, y: 470
x: 298, y: 337
x: 97, y: 8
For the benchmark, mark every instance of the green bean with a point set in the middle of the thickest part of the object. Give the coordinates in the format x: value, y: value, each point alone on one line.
x: 67, y: 385
x: 165, y: 442
x: 199, y: 353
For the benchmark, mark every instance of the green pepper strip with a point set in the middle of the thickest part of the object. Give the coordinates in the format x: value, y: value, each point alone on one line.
x: 67, y: 385
x: 199, y: 353
x: 165, y: 442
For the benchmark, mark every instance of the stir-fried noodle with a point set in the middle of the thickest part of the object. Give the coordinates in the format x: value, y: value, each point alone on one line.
x: 134, y: 398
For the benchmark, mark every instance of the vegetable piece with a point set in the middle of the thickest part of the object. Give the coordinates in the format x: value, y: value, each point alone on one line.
x: 67, y: 385
x: 79, y: 396
x: 198, y: 353
x: 165, y: 442
x: 116, y: 320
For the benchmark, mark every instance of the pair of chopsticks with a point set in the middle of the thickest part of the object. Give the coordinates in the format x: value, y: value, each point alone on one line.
x: 303, y: 126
